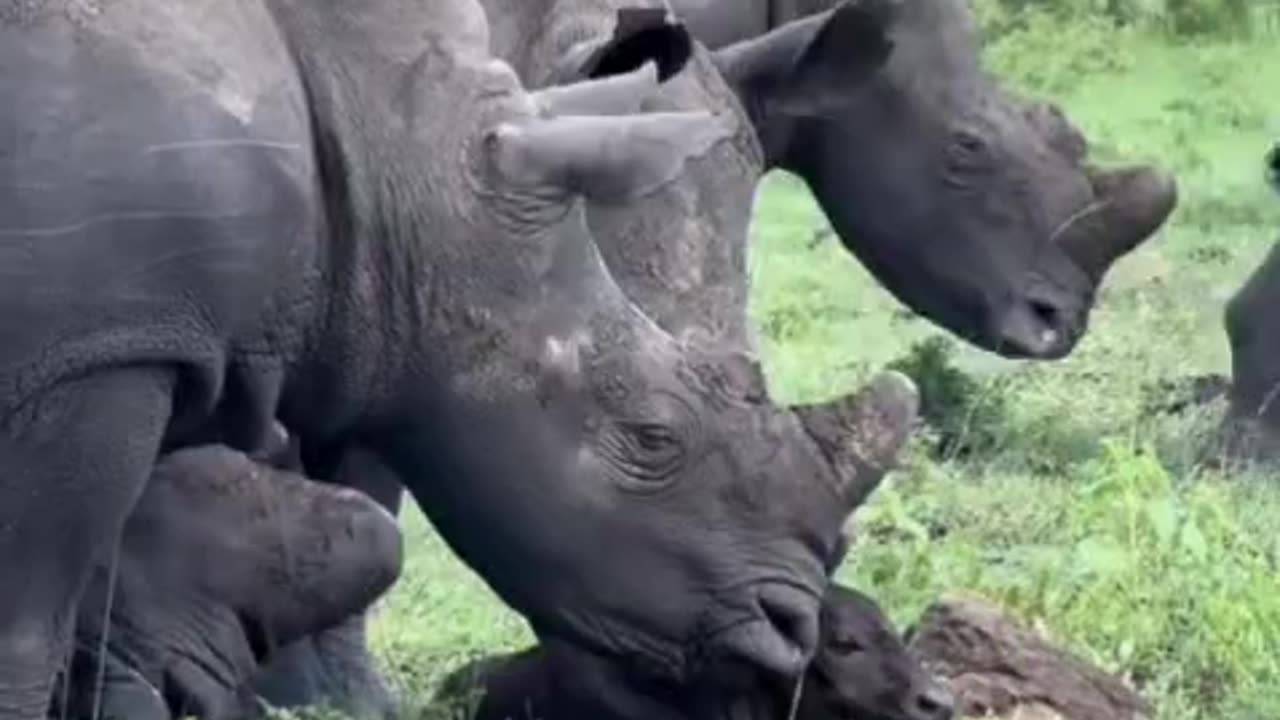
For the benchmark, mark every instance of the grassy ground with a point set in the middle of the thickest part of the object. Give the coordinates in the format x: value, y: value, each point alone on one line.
x: 1077, y: 508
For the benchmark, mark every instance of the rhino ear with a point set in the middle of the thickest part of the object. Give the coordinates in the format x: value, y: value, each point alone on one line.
x: 640, y: 35
x: 611, y: 160
x: 862, y: 434
x: 811, y: 64
x: 612, y: 95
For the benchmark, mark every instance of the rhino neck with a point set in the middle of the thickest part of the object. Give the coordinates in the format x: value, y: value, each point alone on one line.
x: 392, y: 112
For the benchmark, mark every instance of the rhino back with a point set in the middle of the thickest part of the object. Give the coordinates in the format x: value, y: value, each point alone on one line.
x: 680, y: 253
x: 155, y: 189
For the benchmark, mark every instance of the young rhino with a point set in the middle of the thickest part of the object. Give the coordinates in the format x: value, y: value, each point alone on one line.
x: 862, y: 671
x: 223, y: 562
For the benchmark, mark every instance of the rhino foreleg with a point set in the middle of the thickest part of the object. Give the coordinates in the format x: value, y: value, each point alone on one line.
x: 1251, y: 430
x: 73, y: 462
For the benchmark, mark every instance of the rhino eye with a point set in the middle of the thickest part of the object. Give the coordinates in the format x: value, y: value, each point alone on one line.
x: 647, y: 453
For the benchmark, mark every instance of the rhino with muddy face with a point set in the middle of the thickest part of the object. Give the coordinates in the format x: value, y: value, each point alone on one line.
x: 222, y: 562
x: 862, y: 672
x: 355, y: 219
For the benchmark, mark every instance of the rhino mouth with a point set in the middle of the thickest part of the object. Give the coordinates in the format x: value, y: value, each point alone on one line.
x: 1129, y: 206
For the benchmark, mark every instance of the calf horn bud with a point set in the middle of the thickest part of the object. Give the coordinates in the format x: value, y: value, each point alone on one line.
x: 1132, y: 204
x: 862, y: 434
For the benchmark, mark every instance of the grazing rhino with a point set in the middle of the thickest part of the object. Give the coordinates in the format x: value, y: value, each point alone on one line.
x: 931, y: 148
x: 178, y: 624
x: 356, y: 220
x: 1251, y: 429
x: 862, y: 672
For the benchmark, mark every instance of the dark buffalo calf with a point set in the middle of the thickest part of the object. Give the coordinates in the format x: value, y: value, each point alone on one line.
x: 223, y: 561
x: 862, y: 672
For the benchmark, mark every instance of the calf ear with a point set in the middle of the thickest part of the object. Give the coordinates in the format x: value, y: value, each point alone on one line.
x: 611, y: 160
x: 810, y: 64
x: 640, y: 35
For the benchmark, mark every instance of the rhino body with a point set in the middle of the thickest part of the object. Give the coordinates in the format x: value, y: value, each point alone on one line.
x: 1251, y: 429
x: 353, y: 218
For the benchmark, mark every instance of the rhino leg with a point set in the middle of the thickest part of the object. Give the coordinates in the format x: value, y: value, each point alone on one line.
x: 335, y: 667
x: 1251, y: 430
x: 105, y: 688
x: 73, y: 460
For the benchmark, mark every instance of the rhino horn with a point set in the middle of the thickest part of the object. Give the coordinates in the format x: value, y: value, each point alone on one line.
x: 862, y: 434
x: 606, y: 159
x: 611, y: 95
x: 1132, y: 203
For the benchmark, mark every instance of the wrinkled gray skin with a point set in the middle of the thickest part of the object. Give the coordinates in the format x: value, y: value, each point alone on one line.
x: 862, y: 672
x: 1251, y: 430
x: 221, y: 563
x: 698, y: 222
x: 351, y: 218
x: 974, y: 208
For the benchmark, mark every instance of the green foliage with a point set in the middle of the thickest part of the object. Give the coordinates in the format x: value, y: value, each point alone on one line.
x: 965, y: 415
x: 1161, y: 583
x: 1176, y: 18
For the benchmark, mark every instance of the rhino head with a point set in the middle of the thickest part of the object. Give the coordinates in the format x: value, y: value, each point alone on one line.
x: 972, y: 207
x: 623, y: 489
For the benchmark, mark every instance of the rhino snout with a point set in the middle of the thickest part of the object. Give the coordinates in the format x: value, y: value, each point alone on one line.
x: 782, y: 636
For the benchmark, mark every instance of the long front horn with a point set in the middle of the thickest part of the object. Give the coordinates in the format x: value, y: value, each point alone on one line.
x: 1132, y: 203
x: 862, y: 434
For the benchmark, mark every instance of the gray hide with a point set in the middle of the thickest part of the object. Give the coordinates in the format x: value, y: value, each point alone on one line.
x: 222, y: 563
x: 351, y: 217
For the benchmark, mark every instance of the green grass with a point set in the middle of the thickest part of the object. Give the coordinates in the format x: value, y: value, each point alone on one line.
x: 1080, y: 510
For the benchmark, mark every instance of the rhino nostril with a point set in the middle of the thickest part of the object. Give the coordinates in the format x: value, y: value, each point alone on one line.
x: 1047, y: 314
x: 793, y: 615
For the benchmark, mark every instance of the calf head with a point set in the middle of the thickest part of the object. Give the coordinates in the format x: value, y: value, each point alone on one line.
x: 863, y: 669
x: 973, y: 208
x: 632, y: 493
x: 222, y: 562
